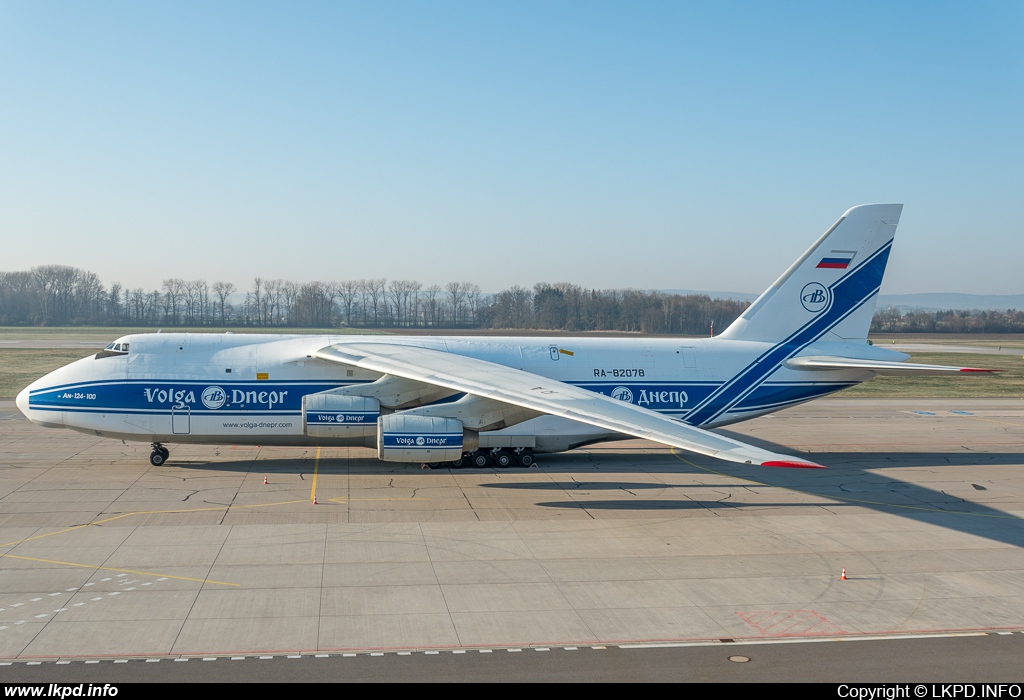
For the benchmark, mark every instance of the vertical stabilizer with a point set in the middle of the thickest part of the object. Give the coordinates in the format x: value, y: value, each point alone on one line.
x: 830, y: 291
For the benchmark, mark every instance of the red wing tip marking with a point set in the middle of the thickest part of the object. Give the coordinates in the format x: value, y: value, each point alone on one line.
x: 793, y: 465
x: 978, y: 369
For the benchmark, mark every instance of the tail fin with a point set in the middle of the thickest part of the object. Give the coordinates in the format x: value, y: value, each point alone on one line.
x: 830, y: 292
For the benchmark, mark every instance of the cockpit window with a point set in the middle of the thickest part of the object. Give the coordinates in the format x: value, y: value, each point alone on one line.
x: 115, y: 349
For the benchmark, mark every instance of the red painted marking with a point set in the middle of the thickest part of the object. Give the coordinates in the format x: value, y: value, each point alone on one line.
x: 781, y: 623
x: 978, y: 369
x: 837, y: 266
x: 793, y: 465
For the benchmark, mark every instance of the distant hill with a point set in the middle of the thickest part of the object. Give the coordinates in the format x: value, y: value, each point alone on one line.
x: 939, y: 301
x: 933, y: 301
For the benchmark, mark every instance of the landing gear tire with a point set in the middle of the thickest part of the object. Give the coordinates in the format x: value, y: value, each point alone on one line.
x: 457, y: 463
x: 480, y: 459
x: 157, y: 457
x: 525, y: 458
x: 504, y: 459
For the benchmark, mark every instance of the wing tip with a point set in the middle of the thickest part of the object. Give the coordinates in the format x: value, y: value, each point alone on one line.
x: 792, y: 464
x: 979, y: 369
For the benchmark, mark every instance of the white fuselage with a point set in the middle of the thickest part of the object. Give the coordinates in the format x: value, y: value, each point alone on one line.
x: 248, y: 389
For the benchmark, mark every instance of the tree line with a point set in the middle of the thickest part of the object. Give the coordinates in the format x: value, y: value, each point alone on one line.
x: 950, y: 321
x: 60, y: 295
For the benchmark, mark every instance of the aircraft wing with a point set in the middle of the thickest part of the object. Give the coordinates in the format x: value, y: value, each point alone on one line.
x: 883, y: 367
x: 487, y: 379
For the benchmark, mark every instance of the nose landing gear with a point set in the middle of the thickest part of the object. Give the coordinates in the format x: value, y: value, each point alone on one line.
x: 159, y: 454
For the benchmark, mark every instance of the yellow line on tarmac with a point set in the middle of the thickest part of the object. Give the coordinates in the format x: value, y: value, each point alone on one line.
x: 316, y: 470
x: 843, y: 499
x: 123, y: 571
x: 145, y: 512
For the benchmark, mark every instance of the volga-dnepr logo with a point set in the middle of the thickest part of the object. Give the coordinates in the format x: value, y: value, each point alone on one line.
x: 214, y: 397
x: 814, y: 297
x: 622, y: 393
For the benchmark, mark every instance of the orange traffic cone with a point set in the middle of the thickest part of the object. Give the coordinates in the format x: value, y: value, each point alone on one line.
x: 314, y: 499
x: 264, y: 481
x: 842, y: 577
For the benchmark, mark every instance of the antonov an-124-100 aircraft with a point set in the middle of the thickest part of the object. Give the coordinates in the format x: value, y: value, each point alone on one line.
x: 498, y: 400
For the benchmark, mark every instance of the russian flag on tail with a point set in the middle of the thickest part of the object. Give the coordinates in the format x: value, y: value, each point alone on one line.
x: 838, y: 259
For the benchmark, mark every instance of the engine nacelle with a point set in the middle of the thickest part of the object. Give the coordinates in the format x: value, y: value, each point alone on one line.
x: 337, y: 416
x: 404, y: 438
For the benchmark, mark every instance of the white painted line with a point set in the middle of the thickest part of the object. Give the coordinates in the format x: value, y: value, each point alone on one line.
x: 3, y: 627
x: 78, y: 605
x: 377, y: 653
x: 295, y: 656
x: 152, y: 661
x: 321, y: 656
x: 41, y: 615
x: 238, y: 658
x: 599, y: 648
x: 181, y: 659
x: 148, y: 583
x: 801, y: 640
x: 114, y: 593
x: 426, y: 652
x: 2, y: 609
x: 17, y: 605
x: 513, y: 650
x: 120, y: 575
x: 98, y: 598
x: 21, y: 622
x: 120, y: 661
x: 105, y: 579
x: 63, y: 663
x: 92, y: 662
x: 60, y: 610
x: 348, y: 654
x: 91, y: 583
x: 542, y: 649
x: 162, y: 578
x: 458, y: 651
x: 1005, y: 633
x: 70, y: 589
x: 264, y: 657
x: 405, y: 653
x: 57, y: 593
x: 35, y: 600
x: 571, y: 648
x: 34, y: 663
x: 209, y: 658
x: 5, y: 663
x: 130, y: 589
x: 486, y: 651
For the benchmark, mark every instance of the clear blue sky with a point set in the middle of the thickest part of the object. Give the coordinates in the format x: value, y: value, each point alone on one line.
x: 652, y: 145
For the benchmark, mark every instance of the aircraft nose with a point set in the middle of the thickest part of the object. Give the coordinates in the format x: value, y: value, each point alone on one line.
x: 22, y: 401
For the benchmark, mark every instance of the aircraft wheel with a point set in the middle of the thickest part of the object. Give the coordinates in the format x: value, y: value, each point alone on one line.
x: 165, y: 452
x: 481, y: 459
x: 526, y: 459
x: 157, y: 457
x: 504, y: 459
x: 457, y: 463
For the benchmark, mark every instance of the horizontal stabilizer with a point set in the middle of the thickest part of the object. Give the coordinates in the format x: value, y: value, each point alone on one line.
x: 881, y: 367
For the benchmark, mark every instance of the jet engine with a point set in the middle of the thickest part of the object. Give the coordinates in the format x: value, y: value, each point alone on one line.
x: 338, y: 416
x: 405, y: 438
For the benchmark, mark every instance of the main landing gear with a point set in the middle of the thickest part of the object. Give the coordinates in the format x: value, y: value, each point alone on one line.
x: 159, y: 454
x: 481, y: 459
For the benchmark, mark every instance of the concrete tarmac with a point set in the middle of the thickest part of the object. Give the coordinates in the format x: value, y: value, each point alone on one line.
x: 107, y: 557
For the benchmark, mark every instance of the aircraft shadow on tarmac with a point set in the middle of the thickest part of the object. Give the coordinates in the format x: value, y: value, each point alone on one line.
x: 848, y: 482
